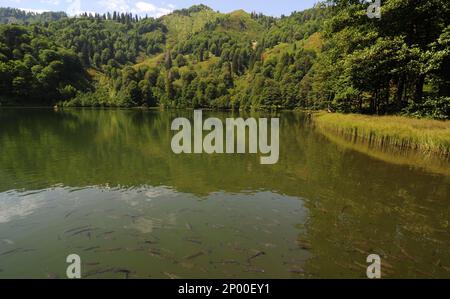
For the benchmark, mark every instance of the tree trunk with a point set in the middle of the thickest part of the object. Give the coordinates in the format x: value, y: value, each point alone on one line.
x: 400, y: 89
x: 419, y: 88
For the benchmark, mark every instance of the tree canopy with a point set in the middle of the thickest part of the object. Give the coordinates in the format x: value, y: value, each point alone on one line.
x: 330, y: 56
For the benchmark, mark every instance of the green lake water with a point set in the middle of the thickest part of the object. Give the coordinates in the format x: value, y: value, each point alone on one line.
x: 104, y: 184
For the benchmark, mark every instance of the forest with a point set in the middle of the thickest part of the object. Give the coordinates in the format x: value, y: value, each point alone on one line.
x: 331, y: 56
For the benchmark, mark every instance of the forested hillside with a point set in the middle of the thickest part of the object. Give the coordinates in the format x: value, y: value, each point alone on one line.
x: 17, y: 16
x: 331, y: 56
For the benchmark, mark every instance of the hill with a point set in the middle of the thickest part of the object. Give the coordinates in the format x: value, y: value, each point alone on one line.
x: 17, y: 16
x: 330, y: 56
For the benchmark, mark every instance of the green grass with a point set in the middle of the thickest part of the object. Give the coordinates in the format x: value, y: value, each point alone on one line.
x: 181, y: 27
x: 424, y: 135
x: 314, y: 42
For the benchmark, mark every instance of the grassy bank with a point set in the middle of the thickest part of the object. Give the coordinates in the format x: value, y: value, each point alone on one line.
x: 402, y: 133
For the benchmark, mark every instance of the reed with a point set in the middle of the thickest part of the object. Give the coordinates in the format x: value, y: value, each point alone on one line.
x: 403, y: 133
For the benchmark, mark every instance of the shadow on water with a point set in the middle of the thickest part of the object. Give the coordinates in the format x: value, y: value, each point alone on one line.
x: 318, y: 212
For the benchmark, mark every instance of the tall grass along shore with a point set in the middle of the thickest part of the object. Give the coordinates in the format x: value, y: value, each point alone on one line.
x: 403, y: 133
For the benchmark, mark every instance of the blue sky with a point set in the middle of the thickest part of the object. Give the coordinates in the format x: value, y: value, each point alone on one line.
x: 157, y: 8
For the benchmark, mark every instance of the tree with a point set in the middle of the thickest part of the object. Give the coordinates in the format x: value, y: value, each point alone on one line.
x: 180, y: 60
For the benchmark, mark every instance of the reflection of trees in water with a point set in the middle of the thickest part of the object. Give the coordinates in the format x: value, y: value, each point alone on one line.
x: 358, y: 205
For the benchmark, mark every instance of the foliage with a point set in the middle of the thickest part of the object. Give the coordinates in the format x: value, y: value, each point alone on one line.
x: 428, y: 136
x: 330, y: 56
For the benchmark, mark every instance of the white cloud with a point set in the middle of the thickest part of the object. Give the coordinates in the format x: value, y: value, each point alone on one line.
x: 74, y: 8
x: 115, y: 5
x: 53, y: 2
x: 34, y: 10
x: 143, y: 8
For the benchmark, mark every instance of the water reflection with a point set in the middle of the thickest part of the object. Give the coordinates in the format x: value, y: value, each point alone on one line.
x: 317, y: 213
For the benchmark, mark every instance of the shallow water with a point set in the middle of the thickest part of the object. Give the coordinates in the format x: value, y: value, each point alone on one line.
x: 104, y: 184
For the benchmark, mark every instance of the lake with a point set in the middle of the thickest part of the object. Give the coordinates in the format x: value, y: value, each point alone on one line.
x: 104, y: 184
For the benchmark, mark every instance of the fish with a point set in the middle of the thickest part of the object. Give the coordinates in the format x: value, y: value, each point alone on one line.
x: 28, y: 250
x: 52, y: 276
x: 231, y: 262
x: 76, y: 228
x: 68, y: 214
x: 255, y: 270
x: 195, y: 241
x: 297, y: 271
x: 134, y: 249
x: 359, y: 250
x: 171, y: 276
x: 10, y: 251
x: 200, y: 253
x: 82, y: 231
x: 187, y: 265
x: 125, y: 271
x: 97, y: 272
x: 106, y: 233
x: 188, y: 226
x: 150, y: 242
x: 92, y: 264
x: 154, y: 252
x: 91, y: 248
x: 259, y: 253
x: 227, y: 262
x: 111, y: 249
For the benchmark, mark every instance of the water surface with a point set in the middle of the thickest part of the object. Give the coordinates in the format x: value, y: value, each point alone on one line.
x: 104, y: 184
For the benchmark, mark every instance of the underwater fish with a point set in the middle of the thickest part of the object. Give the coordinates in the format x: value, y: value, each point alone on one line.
x: 10, y: 251
x: 76, y: 228
x: 259, y: 253
x: 52, y: 276
x: 297, y: 271
x: 171, y: 276
x: 111, y: 249
x: 106, y: 233
x: 125, y: 271
x: 97, y: 272
x: 255, y: 270
x: 69, y: 214
x: 155, y: 252
x: 28, y: 250
x: 92, y: 264
x: 91, y: 248
x: 194, y: 241
x: 82, y: 231
x: 200, y: 253
x: 226, y: 262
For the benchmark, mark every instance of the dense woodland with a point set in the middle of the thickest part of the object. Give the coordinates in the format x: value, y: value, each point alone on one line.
x: 331, y: 56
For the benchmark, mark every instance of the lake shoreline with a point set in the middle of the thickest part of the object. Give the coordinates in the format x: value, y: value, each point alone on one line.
x: 401, y: 133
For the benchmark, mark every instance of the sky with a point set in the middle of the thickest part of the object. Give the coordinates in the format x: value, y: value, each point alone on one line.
x: 157, y: 8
